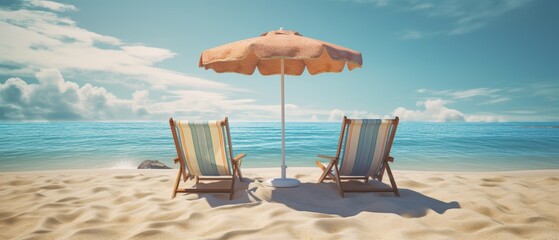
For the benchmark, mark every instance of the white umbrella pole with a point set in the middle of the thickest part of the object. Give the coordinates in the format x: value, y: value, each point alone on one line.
x: 283, y: 181
x: 283, y: 167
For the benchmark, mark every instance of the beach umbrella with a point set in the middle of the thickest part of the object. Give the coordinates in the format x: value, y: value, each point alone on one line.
x: 280, y: 52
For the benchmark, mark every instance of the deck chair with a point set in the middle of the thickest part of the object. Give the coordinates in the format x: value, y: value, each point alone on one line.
x: 363, y: 152
x: 204, y: 150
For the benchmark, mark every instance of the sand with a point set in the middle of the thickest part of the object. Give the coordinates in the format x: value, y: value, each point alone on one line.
x: 122, y: 204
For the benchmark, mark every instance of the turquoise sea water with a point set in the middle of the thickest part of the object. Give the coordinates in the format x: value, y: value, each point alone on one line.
x: 418, y: 146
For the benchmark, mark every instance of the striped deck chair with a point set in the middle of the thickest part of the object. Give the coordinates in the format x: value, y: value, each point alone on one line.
x: 363, y: 152
x: 204, y: 150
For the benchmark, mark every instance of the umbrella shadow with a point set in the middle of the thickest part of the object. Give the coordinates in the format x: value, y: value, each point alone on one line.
x: 324, y: 198
x: 410, y: 204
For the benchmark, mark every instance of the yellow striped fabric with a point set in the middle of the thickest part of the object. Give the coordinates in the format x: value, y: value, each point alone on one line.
x: 203, y: 147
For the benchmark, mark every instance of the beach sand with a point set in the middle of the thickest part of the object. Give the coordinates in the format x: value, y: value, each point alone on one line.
x: 116, y: 204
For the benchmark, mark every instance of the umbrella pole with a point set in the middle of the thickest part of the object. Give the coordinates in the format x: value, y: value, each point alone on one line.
x: 283, y: 181
x: 283, y: 166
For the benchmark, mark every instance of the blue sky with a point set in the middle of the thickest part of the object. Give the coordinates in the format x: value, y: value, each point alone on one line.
x: 430, y: 60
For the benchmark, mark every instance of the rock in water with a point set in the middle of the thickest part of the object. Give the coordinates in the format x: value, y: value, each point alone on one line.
x: 152, y: 164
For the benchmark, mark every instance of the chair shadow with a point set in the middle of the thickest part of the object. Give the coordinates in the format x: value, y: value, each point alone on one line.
x: 242, y: 193
x: 410, y: 204
x: 324, y: 198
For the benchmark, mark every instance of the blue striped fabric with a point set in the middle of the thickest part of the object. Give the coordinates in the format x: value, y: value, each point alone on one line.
x: 203, y: 146
x: 365, y: 147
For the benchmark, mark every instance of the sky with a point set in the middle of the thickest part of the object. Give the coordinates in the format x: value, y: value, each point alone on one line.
x: 137, y: 60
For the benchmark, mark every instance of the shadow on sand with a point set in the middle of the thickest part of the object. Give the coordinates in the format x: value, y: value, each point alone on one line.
x: 409, y: 204
x: 324, y: 198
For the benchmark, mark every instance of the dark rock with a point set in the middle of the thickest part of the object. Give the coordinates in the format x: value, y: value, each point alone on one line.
x: 152, y: 164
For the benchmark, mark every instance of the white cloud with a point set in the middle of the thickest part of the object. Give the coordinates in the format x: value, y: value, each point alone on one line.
x: 411, y: 34
x: 461, y: 94
x: 491, y: 93
x: 430, y: 110
x: 422, y: 6
x: 381, y: 3
x: 548, y: 90
x: 473, y: 93
x: 435, y: 111
x: 336, y: 115
x: 363, y: 114
x: 54, y: 6
x: 465, y: 28
x: 200, y: 105
x: 522, y: 112
x: 497, y: 100
x: 378, y: 3
x: 39, y: 39
x: 485, y: 118
x: 515, y: 90
x: 314, y: 118
x: 468, y: 15
x: 462, y: 16
x: 53, y: 98
x: 149, y: 54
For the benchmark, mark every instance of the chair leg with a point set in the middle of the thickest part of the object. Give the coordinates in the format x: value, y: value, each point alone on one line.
x: 381, y: 175
x: 232, y: 186
x: 325, y: 169
x: 177, y: 180
x: 239, y: 172
x: 185, y: 175
x: 392, y: 182
x: 338, y: 181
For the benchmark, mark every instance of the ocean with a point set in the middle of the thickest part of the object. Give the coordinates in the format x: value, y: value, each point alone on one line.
x: 455, y: 146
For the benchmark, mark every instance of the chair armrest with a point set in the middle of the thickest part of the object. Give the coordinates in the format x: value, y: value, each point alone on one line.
x: 327, y: 157
x: 390, y: 159
x: 176, y: 160
x: 239, y: 157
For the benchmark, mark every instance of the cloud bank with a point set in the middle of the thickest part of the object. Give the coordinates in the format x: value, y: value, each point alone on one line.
x: 50, y: 5
x: 37, y: 46
x: 433, y: 110
x: 53, y: 98
x: 32, y: 40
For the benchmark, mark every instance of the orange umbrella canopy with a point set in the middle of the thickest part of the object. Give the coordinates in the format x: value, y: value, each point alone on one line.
x: 267, y: 50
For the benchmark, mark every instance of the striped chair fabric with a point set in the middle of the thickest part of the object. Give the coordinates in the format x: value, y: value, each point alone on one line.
x: 365, y: 146
x: 203, y: 147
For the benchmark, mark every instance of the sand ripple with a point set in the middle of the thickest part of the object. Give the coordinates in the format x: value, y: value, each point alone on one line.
x: 136, y: 204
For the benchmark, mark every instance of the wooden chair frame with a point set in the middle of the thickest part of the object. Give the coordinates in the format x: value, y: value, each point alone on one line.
x: 333, y: 166
x: 235, y: 163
